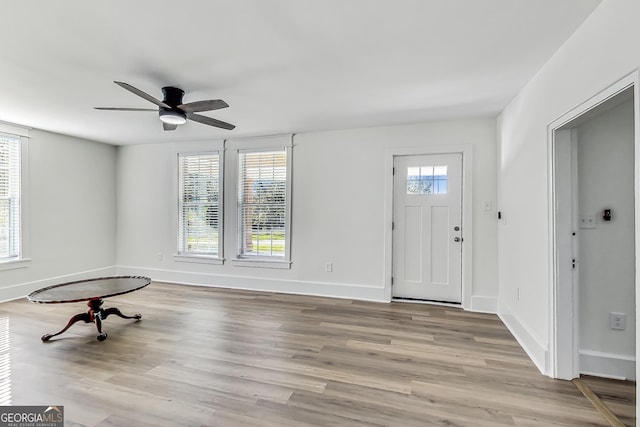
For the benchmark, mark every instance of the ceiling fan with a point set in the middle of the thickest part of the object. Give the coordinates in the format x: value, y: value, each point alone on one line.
x: 171, y: 109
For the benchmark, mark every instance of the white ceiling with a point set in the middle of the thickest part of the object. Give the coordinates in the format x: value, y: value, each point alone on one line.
x: 283, y: 66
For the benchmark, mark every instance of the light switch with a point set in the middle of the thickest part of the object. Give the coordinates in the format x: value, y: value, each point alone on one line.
x: 587, y: 221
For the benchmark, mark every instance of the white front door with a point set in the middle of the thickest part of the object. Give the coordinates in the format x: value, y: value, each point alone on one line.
x: 427, y: 229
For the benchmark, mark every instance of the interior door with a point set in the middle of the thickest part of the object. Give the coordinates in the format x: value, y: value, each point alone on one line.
x: 427, y: 229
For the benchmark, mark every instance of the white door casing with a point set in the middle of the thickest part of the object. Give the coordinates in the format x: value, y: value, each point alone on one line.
x: 427, y: 234
x: 563, y: 299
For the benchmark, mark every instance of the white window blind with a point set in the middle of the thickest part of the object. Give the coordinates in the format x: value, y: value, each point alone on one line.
x: 9, y: 196
x: 200, y: 204
x: 262, y: 204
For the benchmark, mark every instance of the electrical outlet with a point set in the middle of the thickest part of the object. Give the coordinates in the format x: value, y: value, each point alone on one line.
x: 618, y: 321
x: 486, y: 205
x: 328, y: 267
x: 159, y: 256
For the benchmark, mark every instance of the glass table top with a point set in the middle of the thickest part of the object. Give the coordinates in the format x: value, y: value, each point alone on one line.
x: 84, y: 290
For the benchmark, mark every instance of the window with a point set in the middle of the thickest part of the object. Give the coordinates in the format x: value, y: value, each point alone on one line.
x: 10, y: 212
x: 200, y: 204
x: 263, y: 204
x: 427, y: 180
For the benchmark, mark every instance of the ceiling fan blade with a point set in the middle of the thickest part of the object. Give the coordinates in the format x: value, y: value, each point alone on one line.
x: 167, y: 126
x: 125, y: 109
x: 209, y: 121
x: 142, y: 94
x: 209, y: 105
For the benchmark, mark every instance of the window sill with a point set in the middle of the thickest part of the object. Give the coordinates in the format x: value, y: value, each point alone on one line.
x: 200, y: 259
x: 14, y: 264
x: 259, y: 263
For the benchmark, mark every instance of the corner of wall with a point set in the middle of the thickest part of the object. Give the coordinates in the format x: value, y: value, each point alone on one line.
x: 537, y: 351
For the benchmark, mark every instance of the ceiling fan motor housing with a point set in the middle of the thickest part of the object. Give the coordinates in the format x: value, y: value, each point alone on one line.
x: 173, y: 98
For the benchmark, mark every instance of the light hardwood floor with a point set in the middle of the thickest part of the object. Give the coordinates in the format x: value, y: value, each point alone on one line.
x: 618, y: 396
x: 218, y: 357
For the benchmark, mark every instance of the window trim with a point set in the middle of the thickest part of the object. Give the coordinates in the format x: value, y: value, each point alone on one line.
x: 273, y: 143
x: 252, y: 261
x: 198, y: 258
x: 14, y: 263
x: 22, y: 260
x: 195, y: 150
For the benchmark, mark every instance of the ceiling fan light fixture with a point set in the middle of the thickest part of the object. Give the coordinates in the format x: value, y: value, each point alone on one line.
x: 172, y: 117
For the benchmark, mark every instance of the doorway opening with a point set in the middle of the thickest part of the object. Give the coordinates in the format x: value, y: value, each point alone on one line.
x: 595, y: 217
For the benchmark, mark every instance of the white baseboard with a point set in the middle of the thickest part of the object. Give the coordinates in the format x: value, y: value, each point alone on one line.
x: 484, y: 304
x: 537, y: 352
x: 20, y: 290
x: 608, y: 365
x: 300, y: 287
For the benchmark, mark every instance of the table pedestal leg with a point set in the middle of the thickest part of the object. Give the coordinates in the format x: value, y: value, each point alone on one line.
x: 95, y: 314
x: 74, y: 319
x: 113, y: 310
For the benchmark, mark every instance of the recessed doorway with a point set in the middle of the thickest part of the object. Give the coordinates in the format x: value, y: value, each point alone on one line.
x: 594, y: 217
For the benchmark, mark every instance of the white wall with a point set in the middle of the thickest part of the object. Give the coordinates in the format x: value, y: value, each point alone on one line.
x: 602, y: 51
x: 71, y: 199
x: 337, y: 214
x: 606, y: 253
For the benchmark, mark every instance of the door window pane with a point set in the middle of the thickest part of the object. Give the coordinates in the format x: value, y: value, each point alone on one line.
x: 427, y: 180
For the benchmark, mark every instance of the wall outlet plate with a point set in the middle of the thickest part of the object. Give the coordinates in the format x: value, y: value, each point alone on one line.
x: 618, y: 321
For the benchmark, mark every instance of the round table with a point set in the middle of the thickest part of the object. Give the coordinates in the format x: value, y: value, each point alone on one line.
x: 93, y: 291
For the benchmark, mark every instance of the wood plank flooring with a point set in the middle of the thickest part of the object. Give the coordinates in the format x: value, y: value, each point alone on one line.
x: 219, y: 357
x: 618, y: 396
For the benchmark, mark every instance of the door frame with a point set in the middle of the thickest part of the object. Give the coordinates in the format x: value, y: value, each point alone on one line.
x: 466, y: 150
x: 563, y: 298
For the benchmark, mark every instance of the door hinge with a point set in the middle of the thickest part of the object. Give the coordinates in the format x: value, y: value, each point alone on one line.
x: 393, y: 225
x: 393, y: 171
x: 391, y: 281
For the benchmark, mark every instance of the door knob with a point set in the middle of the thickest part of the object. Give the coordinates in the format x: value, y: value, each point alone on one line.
x: 456, y: 228
x: 457, y: 239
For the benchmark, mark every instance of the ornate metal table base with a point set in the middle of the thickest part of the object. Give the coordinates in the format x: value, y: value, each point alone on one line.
x: 96, y: 314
